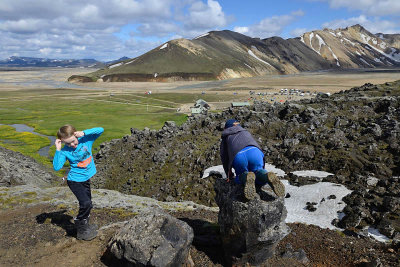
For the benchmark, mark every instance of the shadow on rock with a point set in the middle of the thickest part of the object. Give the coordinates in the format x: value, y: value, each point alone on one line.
x: 207, y: 239
x: 60, y: 219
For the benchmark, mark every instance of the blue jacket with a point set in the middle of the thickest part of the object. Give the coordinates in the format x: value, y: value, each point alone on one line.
x: 234, y: 139
x: 80, y: 158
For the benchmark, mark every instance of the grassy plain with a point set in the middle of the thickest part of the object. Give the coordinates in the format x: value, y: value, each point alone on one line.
x: 47, y: 114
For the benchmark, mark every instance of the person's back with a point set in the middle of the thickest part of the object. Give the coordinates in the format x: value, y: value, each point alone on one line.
x: 240, y: 151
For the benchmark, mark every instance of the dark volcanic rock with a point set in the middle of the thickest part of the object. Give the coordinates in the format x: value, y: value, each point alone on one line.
x: 353, y: 134
x: 250, y: 231
x: 17, y: 169
x: 152, y: 239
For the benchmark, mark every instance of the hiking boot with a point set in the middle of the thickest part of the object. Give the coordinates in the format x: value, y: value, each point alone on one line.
x: 85, y: 231
x: 250, y: 187
x: 277, y: 186
x: 92, y: 225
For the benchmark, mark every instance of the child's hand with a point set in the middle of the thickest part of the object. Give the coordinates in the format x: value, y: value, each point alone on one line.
x: 57, y: 143
x: 79, y: 134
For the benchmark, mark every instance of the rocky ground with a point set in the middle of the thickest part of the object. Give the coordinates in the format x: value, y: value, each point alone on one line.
x: 353, y: 134
x: 42, y: 234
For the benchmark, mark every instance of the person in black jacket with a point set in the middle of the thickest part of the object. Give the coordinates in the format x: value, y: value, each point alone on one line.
x: 241, y: 152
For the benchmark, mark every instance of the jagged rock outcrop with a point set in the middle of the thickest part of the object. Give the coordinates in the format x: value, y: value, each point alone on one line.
x: 353, y: 134
x: 154, y: 238
x: 17, y: 169
x: 250, y: 231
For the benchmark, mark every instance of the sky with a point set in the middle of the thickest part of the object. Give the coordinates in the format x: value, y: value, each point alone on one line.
x: 109, y: 29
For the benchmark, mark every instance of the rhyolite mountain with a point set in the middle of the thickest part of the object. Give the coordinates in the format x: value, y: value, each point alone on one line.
x: 227, y: 54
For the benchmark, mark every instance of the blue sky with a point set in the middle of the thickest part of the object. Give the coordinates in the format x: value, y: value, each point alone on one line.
x: 109, y: 29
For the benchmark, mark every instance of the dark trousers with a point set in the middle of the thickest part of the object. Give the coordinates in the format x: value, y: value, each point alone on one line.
x: 82, y: 192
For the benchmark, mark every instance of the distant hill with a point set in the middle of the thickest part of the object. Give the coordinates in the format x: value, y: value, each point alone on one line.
x: 117, y: 60
x: 45, y: 62
x: 227, y: 54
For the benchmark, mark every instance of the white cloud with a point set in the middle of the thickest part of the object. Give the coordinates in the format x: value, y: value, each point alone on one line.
x: 269, y: 26
x: 79, y: 48
x: 369, y: 7
x: 97, y: 28
x: 374, y: 25
x: 23, y: 26
x: 298, y: 32
x: 206, y: 16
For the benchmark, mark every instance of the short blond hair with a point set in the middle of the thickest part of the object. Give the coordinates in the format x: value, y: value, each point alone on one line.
x: 66, y: 131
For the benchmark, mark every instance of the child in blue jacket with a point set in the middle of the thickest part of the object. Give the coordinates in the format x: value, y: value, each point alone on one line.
x: 78, y: 151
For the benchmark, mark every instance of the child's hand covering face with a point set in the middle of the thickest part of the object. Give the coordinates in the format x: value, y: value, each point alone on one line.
x: 78, y: 134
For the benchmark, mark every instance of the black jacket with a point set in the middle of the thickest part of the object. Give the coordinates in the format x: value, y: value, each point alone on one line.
x: 233, y: 140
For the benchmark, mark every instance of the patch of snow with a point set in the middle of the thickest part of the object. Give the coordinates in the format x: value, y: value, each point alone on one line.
x: 302, y: 39
x: 219, y: 169
x: 164, y: 46
x: 310, y: 37
x: 326, y: 210
x: 131, y: 61
x: 215, y: 170
x: 115, y: 65
x: 374, y: 41
x: 367, y: 47
x: 377, y: 235
x: 339, y: 33
x: 312, y: 173
x: 378, y: 60
x: 358, y: 53
x: 248, y: 66
x: 365, y: 38
x: 320, y: 42
x: 311, y: 46
x: 334, y: 34
x: 394, y: 55
x: 347, y: 40
x: 205, y: 34
x: 272, y: 168
x: 363, y: 60
x: 383, y: 45
x: 253, y: 55
x: 334, y: 56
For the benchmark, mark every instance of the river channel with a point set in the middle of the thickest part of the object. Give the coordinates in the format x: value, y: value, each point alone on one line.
x: 44, y: 151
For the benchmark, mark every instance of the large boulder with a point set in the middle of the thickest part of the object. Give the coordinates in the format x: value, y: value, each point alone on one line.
x: 250, y: 231
x: 153, y: 238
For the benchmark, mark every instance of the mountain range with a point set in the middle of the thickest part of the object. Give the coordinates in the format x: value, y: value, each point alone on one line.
x: 15, y: 61
x: 227, y: 54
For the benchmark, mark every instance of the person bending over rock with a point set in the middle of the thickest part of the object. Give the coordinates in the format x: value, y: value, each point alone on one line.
x: 239, y: 150
x: 78, y: 151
